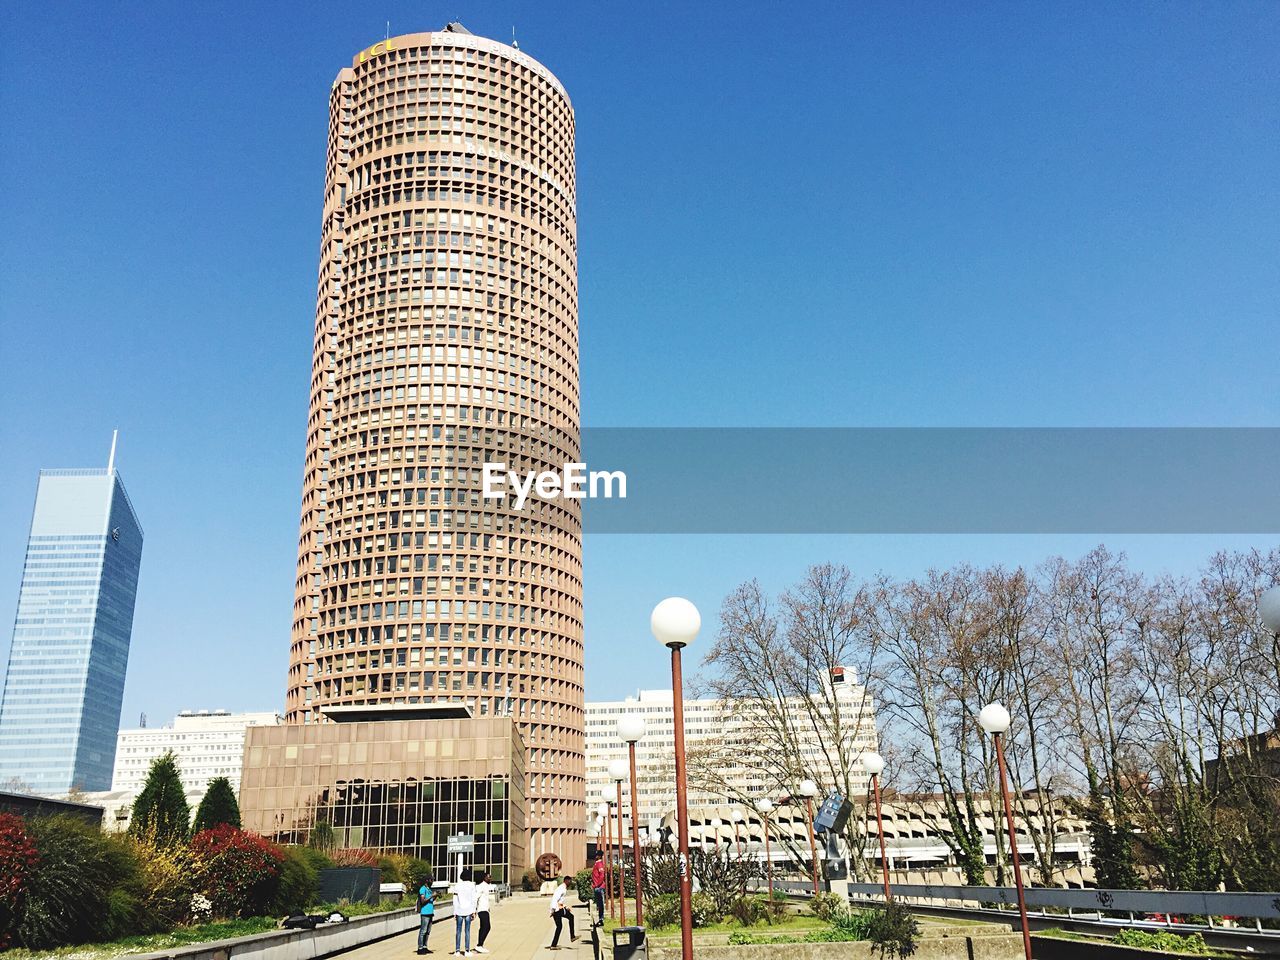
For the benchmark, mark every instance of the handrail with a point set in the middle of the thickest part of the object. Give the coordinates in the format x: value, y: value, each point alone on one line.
x: 1211, y: 903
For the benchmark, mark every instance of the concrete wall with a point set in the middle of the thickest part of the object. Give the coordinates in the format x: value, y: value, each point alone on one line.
x: 324, y: 941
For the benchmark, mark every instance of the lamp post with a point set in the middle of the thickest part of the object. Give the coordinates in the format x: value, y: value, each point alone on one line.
x: 675, y: 622
x: 715, y: 824
x: 764, y: 806
x: 631, y: 728
x: 873, y: 763
x: 737, y: 816
x: 1269, y: 613
x: 809, y: 790
x: 608, y: 850
x: 995, y: 720
x: 618, y: 771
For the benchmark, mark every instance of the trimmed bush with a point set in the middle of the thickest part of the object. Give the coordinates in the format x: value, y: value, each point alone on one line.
x: 777, y: 905
x: 86, y: 888
x: 168, y: 875
x: 18, y: 860
x: 161, y: 810
x: 824, y: 905
x: 219, y: 806
x: 299, y: 886
x: 416, y: 873
x: 392, y: 867
x: 238, y: 871
x: 662, y: 911
x: 893, y: 930
x: 705, y: 910
x: 530, y: 881
x: 582, y: 881
x: 1163, y: 940
x: 854, y: 924
x: 749, y: 911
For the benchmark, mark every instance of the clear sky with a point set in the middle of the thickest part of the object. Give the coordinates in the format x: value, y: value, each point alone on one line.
x: 820, y: 214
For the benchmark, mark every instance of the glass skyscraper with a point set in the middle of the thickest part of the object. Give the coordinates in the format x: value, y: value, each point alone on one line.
x: 61, y: 706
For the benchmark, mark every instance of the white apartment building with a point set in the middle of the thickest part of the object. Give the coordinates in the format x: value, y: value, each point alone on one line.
x: 915, y: 830
x: 708, y: 725
x: 207, y: 744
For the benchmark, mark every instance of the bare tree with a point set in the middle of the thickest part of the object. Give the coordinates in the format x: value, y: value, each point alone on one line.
x: 1150, y: 706
x: 937, y: 672
x: 787, y: 677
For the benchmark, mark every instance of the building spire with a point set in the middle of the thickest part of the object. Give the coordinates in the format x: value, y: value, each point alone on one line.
x: 111, y: 461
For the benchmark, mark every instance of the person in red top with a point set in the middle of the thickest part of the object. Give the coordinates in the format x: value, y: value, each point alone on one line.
x: 597, y: 885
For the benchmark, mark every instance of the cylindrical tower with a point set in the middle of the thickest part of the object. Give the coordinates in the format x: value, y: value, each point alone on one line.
x: 447, y: 337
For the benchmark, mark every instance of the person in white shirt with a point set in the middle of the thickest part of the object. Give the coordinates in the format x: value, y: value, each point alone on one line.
x: 560, y: 912
x: 484, y: 889
x: 464, y: 908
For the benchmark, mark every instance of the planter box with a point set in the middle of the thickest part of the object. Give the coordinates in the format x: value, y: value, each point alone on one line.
x: 1059, y: 948
x: 995, y: 946
x: 324, y: 941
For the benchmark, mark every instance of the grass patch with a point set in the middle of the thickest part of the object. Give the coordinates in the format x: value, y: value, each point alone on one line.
x: 1057, y: 933
x: 180, y: 937
x: 1143, y: 940
x: 197, y: 933
x: 789, y: 924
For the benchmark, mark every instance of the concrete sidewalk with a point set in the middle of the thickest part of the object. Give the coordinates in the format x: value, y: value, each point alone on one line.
x: 522, y: 930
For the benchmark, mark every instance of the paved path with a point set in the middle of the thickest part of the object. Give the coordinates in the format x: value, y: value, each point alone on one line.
x: 521, y: 930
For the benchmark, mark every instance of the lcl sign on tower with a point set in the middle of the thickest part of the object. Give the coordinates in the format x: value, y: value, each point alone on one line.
x: 382, y: 46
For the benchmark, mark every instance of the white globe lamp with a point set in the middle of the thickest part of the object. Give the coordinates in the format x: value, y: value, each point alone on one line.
x: 1269, y: 609
x: 675, y: 622
x: 631, y: 727
x: 994, y: 718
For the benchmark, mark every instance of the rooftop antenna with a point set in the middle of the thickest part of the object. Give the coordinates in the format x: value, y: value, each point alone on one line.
x: 515, y: 44
x: 388, y: 36
x: 142, y: 721
x: 111, y: 461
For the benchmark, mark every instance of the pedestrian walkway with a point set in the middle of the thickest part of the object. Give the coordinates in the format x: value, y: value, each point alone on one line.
x: 522, y: 930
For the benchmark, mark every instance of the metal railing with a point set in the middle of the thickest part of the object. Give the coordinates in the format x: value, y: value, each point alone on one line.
x: 1051, y: 902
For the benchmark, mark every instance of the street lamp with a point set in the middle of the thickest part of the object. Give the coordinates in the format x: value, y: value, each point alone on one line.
x: 1269, y: 610
x: 764, y: 806
x: 608, y: 849
x: 737, y: 816
x: 809, y: 790
x: 715, y: 826
x: 618, y: 771
x: 873, y: 763
x: 675, y: 622
x: 995, y: 720
x: 631, y: 729
x: 1269, y: 613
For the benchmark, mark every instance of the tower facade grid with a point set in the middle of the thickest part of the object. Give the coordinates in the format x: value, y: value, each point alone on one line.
x: 65, y: 682
x: 446, y: 338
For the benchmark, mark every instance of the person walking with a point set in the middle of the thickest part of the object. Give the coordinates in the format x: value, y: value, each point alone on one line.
x: 464, y: 909
x: 484, y: 890
x: 598, y: 875
x: 426, y: 914
x: 560, y: 912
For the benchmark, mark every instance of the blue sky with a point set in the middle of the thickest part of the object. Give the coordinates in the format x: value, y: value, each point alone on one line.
x: 829, y: 214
